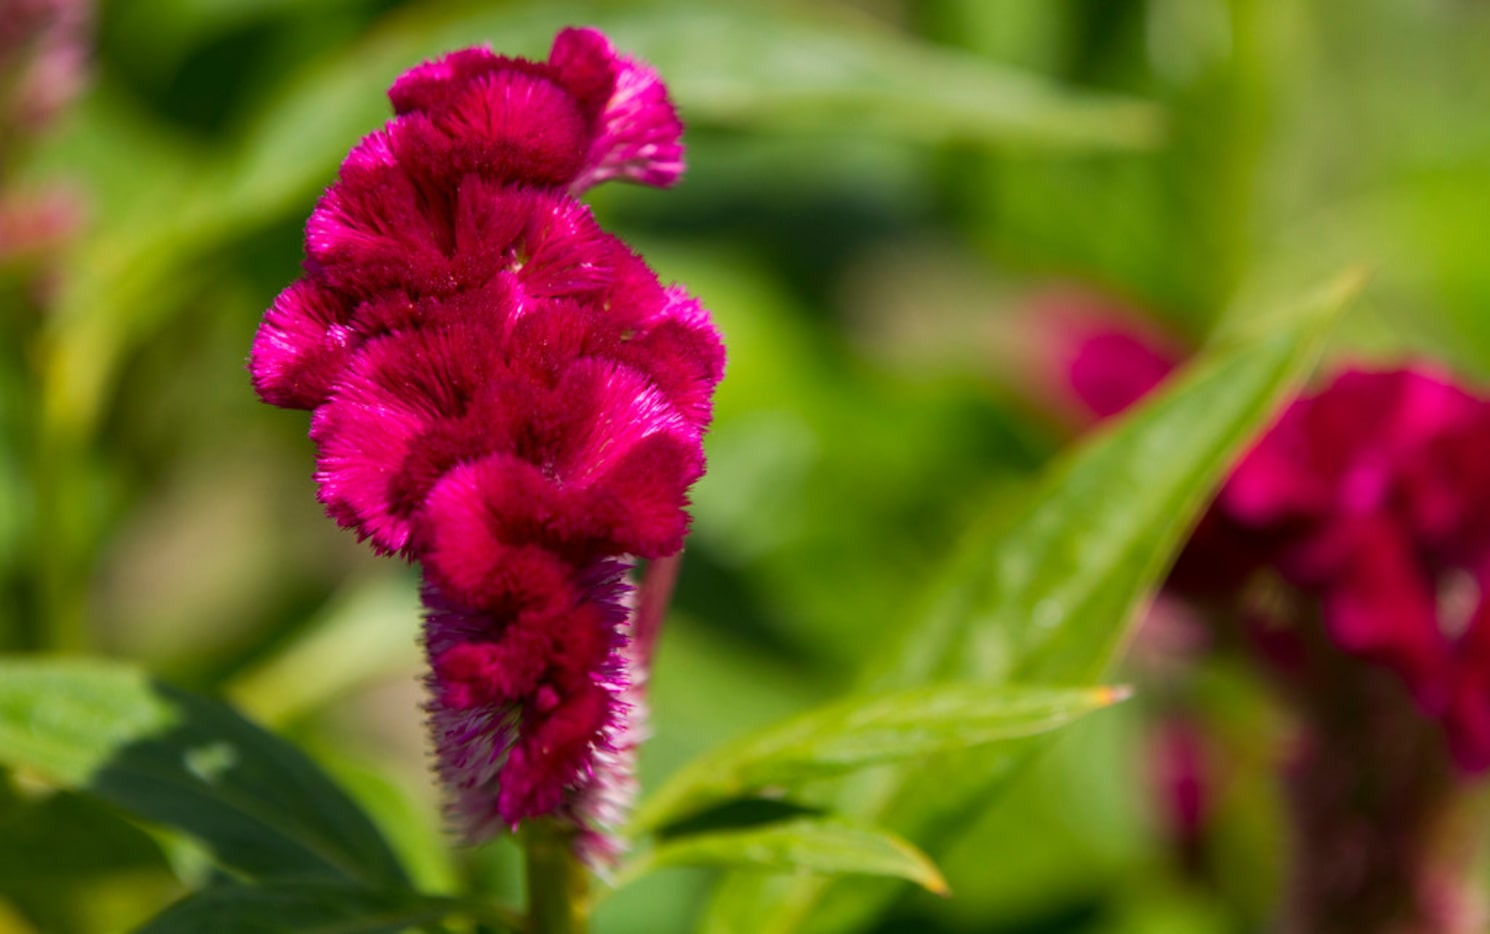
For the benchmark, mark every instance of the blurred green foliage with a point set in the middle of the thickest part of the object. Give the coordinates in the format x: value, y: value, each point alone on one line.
x: 875, y: 189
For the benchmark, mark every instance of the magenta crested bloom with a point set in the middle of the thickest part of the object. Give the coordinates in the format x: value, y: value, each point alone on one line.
x: 1367, y: 498
x: 1351, y: 549
x: 1369, y: 495
x: 505, y: 393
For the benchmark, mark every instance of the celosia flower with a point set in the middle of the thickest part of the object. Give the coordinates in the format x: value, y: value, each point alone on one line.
x: 1368, y: 496
x: 1352, y: 543
x: 505, y: 393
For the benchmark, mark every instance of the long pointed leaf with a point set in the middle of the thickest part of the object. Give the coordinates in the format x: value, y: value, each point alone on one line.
x: 1052, y: 591
x: 861, y: 732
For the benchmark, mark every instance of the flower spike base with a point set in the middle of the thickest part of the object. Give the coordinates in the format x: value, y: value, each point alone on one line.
x: 557, y: 885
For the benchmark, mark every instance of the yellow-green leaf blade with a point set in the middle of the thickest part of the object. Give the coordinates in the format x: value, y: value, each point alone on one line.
x: 866, y: 731
x: 824, y: 847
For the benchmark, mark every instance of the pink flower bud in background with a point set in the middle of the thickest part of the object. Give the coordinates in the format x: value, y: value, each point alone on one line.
x: 1365, y: 496
x: 1092, y: 356
x: 35, y: 224
x: 44, y: 55
x: 1181, y: 776
x: 505, y: 393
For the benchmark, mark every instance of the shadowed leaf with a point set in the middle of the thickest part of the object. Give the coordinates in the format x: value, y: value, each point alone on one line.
x: 300, y: 907
x: 191, y: 763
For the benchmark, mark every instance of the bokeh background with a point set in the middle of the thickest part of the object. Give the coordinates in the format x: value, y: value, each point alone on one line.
x: 884, y: 204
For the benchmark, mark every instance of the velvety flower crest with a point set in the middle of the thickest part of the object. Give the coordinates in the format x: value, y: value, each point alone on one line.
x: 506, y: 394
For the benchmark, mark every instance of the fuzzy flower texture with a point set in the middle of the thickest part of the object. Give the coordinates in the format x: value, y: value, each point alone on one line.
x: 505, y: 393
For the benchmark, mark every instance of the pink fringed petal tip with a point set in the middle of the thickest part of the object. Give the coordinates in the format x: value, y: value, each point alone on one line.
x: 585, y: 116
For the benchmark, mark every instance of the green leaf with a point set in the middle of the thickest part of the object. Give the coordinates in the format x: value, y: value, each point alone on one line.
x: 64, y: 836
x: 824, y: 847
x: 1050, y: 591
x: 66, y: 718
x: 778, y: 68
x: 188, y: 762
x: 732, y: 65
x: 860, y: 732
x: 300, y: 907
x: 399, y: 806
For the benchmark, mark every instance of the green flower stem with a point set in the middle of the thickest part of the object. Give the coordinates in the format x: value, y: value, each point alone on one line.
x: 557, y: 883
x: 489, y: 916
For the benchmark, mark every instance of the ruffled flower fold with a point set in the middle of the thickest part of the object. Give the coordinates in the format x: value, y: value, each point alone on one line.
x: 504, y: 393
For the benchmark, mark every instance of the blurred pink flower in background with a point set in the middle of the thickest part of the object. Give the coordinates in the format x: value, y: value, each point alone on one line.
x: 33, y: 224
x: 1368, y: 497
x: 1365, y: 504
x: 505, y: 393
x: 1181, y: 772
x: 44, y: 52
x: 1090, y: 356
x: 1351, y: 549
x: 44, y: 56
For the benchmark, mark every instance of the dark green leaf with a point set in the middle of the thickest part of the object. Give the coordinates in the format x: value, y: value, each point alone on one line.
x: 300, y: 907
x: 860, y: 732
x: 188, y: 762
x: 69, y: 836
